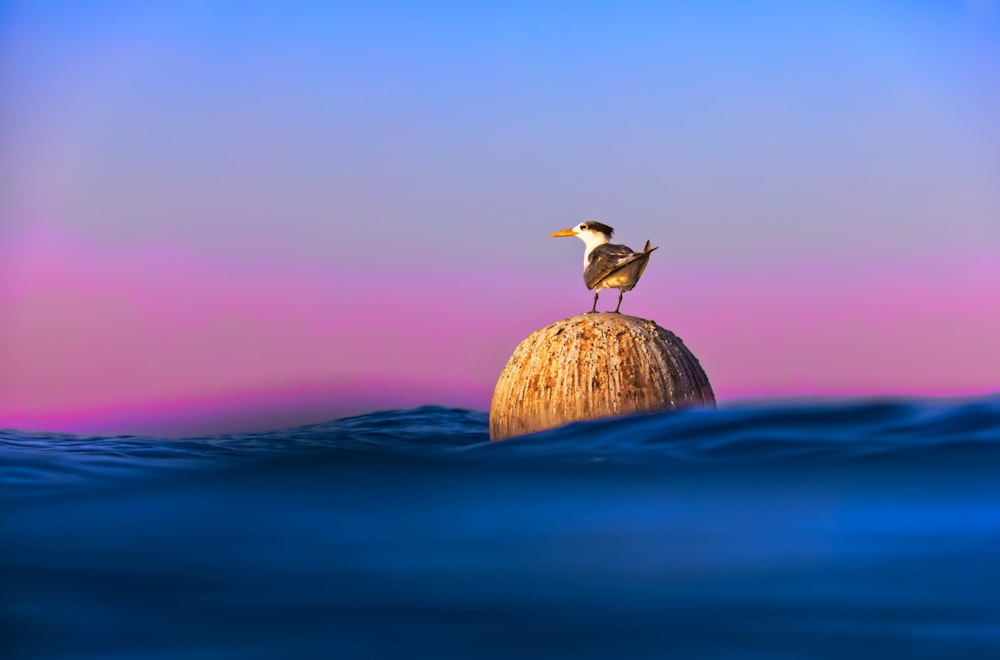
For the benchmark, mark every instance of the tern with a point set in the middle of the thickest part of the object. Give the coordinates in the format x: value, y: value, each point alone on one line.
x: 607, y: 266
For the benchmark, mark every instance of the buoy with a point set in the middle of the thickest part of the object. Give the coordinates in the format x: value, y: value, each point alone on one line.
x: 594, y: 365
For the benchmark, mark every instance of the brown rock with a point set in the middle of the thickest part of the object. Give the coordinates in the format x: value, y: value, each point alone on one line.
x: 594, y: 365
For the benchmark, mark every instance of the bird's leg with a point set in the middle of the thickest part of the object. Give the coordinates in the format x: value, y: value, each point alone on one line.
x: 620, y: 293
x: 596, y: 293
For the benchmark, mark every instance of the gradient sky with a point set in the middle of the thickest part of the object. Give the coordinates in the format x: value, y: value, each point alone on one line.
x: 230, y: 215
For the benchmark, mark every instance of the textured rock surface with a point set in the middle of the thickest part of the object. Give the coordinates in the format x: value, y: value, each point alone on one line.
x: 594, y: 365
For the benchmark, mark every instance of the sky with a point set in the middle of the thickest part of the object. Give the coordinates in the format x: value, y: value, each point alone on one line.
x: 232, y: 215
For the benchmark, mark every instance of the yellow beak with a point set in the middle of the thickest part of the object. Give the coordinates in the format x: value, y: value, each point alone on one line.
x: 564, y: 232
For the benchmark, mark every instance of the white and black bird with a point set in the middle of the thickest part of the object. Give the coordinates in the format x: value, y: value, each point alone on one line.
x: 607, y: 266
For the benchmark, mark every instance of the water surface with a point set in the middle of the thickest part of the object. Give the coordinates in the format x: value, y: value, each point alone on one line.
x: 823, y: 529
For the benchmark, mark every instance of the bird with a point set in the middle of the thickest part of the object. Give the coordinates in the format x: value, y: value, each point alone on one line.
x: 607, y: 266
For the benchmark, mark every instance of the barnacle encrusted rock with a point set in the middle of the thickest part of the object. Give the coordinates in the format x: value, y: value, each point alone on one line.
x: 594, y: 365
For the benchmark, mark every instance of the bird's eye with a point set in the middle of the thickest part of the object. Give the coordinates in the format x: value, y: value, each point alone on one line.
x: 585, y: 226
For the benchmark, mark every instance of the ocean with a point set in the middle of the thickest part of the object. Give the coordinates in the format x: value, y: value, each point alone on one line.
x: 820, y: 529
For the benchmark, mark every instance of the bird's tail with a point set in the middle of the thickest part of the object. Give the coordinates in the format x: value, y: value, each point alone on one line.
x: 646, y: 250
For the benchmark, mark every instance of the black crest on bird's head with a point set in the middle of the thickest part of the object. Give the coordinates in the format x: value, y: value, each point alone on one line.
x: 593, y: 225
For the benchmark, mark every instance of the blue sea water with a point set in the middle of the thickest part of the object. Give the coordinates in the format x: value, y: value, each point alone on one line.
x: 835, y: 529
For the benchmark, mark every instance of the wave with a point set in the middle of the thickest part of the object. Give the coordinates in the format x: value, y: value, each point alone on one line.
x: 744, y: 435
x: 780, y: 530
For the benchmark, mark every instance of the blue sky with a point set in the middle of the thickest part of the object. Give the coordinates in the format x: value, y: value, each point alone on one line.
x: 839, y: 147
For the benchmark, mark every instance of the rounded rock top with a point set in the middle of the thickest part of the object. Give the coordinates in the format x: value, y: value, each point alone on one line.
x: 591, y: 366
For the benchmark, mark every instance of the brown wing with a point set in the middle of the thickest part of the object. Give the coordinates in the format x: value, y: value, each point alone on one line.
x: 606, y: 259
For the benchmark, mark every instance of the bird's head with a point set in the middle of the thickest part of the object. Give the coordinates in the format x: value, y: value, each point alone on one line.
x: 589, y: 232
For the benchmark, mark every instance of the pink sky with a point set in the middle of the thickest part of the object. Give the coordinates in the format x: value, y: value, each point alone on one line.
x: 167, y: 340
x: 220, y: 217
